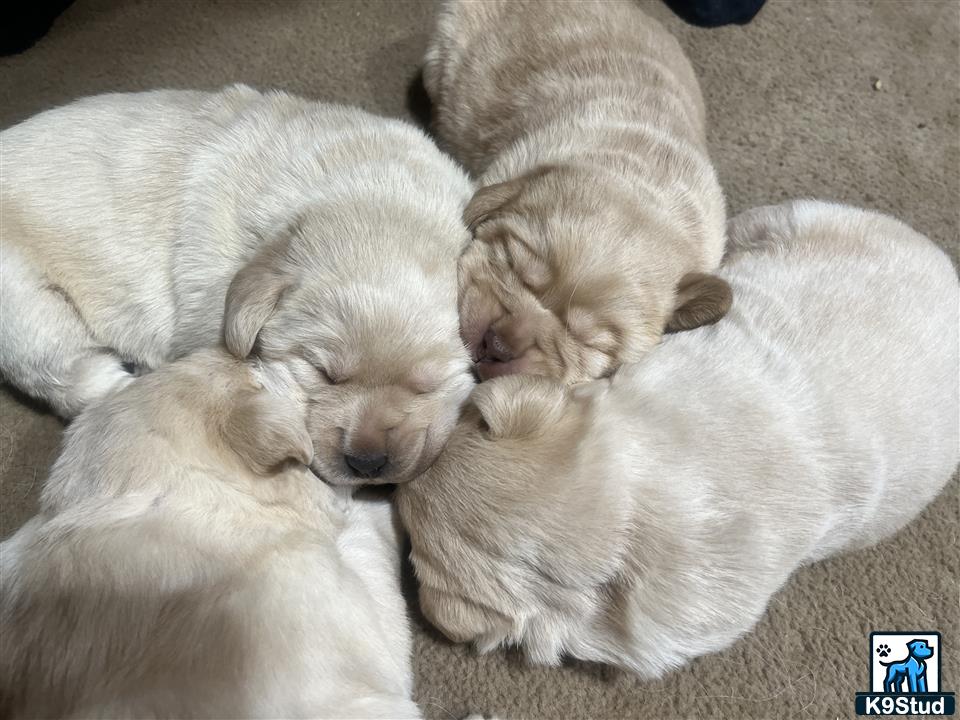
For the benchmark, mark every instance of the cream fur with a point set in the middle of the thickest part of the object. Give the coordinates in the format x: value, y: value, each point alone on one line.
x: 647, y: 519
x: 163, y: 577
x: 584, y: 123
x: 140, y: 227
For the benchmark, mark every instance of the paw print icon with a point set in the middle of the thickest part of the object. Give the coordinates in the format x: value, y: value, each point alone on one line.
x: 883, y: 650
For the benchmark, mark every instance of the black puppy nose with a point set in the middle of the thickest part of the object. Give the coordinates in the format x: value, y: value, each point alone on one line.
x: 367, y: 466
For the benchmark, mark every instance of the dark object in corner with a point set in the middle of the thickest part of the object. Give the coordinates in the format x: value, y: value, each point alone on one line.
x: 418, y: 102
x: 714, y: 13
x: 23, y: 22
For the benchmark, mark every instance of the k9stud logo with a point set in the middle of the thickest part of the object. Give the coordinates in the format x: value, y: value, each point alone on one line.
x: 905, y: 676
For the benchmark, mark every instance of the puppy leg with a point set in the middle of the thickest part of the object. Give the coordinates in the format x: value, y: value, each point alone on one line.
x: 370, y: 545
x: 46, y: 349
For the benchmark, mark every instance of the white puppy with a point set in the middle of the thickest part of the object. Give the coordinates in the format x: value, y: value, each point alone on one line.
x: 600, y: 214
x: 180, y: 566
x: 139, y: 227
x: 647, y: 519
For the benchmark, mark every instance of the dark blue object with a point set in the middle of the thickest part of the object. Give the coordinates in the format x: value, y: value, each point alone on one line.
x: 714, y: 13
x: 23, y: 22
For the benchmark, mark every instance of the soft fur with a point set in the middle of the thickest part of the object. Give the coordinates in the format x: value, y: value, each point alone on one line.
x: 186, y: 564
x: 647, y: 519
x: 585, y: 125
x: 140, y: 227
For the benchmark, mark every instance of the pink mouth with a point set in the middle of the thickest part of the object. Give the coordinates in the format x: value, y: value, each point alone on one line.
x: 494, y: 349
x: 494, y: 357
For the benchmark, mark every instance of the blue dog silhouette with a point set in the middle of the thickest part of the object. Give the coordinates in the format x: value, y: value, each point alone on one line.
x: 912, y: 668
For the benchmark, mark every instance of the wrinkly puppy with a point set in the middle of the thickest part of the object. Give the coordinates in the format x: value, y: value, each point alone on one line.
x: 600, y: 214
x: 647, y: 519
x: 185, y: 563
x: 140, y: 227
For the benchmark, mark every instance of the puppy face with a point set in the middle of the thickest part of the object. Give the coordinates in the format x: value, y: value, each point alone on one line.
x: 381, y: 365
x: 553, y: 285
x: 920, y: 649
x: 509, y: 541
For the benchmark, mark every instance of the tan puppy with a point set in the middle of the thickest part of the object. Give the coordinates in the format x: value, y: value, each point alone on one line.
x: 139, y: 227
x: 647, y: 519
x: 600, y: 213
x: 180, y: 566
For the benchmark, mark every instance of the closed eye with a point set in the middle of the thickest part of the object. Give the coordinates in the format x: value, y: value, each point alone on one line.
x: 423, y: 387
x: 324, y: 375
x: 531, y: 269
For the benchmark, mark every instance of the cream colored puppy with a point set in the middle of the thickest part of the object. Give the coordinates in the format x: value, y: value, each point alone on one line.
x: 186, y: 564
x: 647, y: 519
x: 600, y: 214
x: 137, y: 228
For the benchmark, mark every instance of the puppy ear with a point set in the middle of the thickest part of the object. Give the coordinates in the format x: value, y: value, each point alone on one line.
x: 520, y: 405
x: 701, y: 300
x: 266, y: 431
x: 252, y: 298
x: 488, y: 200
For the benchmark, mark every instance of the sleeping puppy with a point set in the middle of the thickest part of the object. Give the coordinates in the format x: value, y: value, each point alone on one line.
x: 140, y: 227
x: 647, y: 519
x: 186, y: 564
x: 600, y: 216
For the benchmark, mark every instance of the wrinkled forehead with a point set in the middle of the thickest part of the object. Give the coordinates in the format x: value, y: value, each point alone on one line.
x: 570, y: 251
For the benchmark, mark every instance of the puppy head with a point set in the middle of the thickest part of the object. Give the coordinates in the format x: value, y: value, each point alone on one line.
x: 511, y: 540
x: 381, y: 365
x: 554, y: 284
x: 920, y: 649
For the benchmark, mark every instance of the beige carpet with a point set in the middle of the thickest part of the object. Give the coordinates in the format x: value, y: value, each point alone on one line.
x: 795, y: 111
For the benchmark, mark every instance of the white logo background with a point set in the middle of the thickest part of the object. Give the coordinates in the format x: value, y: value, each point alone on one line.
x: 897, y: 642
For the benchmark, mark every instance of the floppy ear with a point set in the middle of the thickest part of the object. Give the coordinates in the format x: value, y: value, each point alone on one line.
x: 252, y: 297
x: 488, y: 200
x: 266, y: 431
x: 492, y: 198
x: 701, y: 300
x: 520, y: 405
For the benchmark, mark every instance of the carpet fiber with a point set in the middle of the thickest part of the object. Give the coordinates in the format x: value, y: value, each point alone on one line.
x: 843, y: 100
